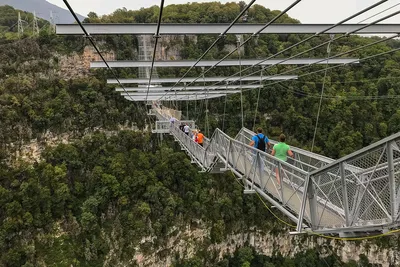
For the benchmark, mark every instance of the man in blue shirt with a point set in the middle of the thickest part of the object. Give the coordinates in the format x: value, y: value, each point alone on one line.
x: 260, y: 141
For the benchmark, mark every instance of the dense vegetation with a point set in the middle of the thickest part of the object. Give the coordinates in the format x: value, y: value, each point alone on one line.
x: 92, y: 201
x: 127, y: 184
x: 247, y: 257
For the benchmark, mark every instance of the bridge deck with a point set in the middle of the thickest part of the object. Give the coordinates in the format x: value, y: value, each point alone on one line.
x: 358, y: 193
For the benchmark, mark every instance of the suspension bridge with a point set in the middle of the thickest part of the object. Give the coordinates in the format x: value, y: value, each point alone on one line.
x: 357, y: 195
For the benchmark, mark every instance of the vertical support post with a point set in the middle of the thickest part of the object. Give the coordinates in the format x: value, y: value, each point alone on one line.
x: 280, y: 180
x: 392, y: 182
x: 238, y: 41
x: 243, y: 154
x: 303, y: 204
x: 226, y: 96
x: 205, y: 158
x: 256, y: 165
x: 187, y: 105
x: 345, y: 196
x: 227, y: 154
x: 312, y: 200
x: 260, y: 169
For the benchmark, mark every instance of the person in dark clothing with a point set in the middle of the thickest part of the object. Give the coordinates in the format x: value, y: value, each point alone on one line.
x: 260, y: 141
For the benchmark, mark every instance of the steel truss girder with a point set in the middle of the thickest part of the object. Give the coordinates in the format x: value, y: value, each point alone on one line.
x: 193, y: 89
x: 217, y: 28
x: 181, y: 93
x: 206, y: 79
x: 172, y: 97
x: 225, y: 63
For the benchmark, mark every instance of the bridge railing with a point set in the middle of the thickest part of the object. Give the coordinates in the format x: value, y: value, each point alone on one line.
x: 304, y: 159
x: 163, y: 126
x: 203, y: 157
x: 259, y: 169
x: 365, y: 185
x: 360, y: 192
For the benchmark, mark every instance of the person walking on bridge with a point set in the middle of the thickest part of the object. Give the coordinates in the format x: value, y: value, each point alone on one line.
x: 186, y: 129
x: 281, y: 151
x: 200, y: 138
x: 261, y: 142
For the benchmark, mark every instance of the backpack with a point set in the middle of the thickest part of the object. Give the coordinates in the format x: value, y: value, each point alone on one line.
x: 261, y: 143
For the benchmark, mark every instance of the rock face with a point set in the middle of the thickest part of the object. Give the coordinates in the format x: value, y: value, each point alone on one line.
x: 185, y: 244
x: 78, y: 66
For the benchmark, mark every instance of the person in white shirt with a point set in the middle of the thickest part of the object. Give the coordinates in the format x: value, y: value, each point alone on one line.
x: 186, y: 129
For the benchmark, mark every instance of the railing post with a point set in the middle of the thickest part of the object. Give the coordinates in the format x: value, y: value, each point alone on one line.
x: 303, y: 204
x: 205, y: 158
x: 345, y: 196
x: 260, y: 168
x: 392, y: 182
x: 280, y: 180
x: 244, y: 159
x: 256, y: 165
x: 227, y: 154
x: 312, y: 200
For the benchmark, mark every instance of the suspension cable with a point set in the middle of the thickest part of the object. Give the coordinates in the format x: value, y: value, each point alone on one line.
x: 206, y: 100
x: 379, y: 13
x: 336, y: 66
x: 360, y: 60
x: 187, y: 105
x: 240, y: 78
x: 322, y: 94
x: 221, y: 36
x: 156, y: 36
x: 247, y: 40
x: 90, y: 38
x: 331, y: 57
x: 223, y: 119
x: 258, y: 98
x: 307, y: 39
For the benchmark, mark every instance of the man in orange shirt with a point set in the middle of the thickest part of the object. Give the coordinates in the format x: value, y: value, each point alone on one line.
x: 200, y: 138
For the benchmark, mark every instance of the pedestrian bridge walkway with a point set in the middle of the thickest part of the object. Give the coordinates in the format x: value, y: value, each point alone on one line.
x: 355, y: 195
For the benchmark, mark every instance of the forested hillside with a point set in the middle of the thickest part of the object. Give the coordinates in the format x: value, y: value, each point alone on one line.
x: 115, y: 200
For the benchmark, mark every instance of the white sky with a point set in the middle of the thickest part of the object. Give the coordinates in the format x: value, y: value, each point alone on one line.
x: 307, y: 11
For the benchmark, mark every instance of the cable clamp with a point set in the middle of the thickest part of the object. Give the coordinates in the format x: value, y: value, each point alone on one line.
x: 156, y: 36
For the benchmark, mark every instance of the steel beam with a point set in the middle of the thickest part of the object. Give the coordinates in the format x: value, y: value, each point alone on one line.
x: 207, y: 79
x: 167, y: 98
x: 190, y: 88
x: 225, y: 63
x: 172, y: 93
x: 217, y: 28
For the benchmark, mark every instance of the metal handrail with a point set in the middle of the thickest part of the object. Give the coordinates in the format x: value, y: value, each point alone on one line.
x: 357, y: 153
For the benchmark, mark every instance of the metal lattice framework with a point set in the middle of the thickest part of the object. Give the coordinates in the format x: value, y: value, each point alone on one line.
x: 357, y: 194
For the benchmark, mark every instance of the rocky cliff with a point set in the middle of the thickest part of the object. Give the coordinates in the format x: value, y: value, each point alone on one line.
x: 187, y: 242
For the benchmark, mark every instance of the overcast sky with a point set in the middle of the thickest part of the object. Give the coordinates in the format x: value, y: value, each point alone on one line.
x: 307, y: 11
